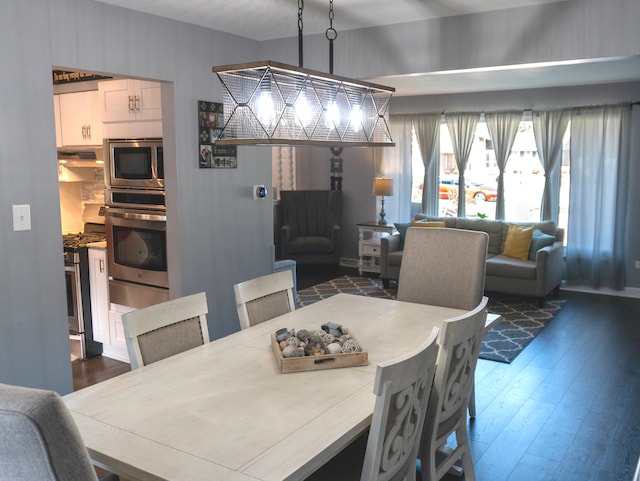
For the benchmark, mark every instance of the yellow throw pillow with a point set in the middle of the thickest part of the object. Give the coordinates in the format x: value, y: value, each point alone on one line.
x: 428, y: 223
x: 518, y: 242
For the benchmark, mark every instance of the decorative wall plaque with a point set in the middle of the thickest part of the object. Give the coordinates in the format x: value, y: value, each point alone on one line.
x: 210, y: 123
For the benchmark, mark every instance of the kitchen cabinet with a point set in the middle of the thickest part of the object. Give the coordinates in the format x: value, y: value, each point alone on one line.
x: 79, y: 121
x: 56, y: 115
x: 131, y: 108
x: 106, y: 322
x: 99, y: 288
x: 75, y: 174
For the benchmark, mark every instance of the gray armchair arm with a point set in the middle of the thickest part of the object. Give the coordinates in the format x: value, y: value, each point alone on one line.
x: 549, y: 266
x: 388, y: 244
x: 284, y: 240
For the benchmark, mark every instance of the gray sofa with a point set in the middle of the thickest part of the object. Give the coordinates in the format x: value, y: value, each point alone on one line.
x: 533, y: 278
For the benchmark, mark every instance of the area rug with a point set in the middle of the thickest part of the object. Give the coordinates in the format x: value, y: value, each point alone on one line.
x: 523, y: 320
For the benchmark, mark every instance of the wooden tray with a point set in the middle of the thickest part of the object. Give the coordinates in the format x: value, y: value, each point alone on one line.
x: 316, y: 363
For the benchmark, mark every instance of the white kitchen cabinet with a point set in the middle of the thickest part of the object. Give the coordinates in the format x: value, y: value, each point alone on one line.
x: 130, y: 100
x: 56, y: 116
x: 99, y: 287
x: 80, y: 118
x: 106, y: 318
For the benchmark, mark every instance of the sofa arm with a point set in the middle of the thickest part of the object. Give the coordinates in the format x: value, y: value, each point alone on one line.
x: 549, y: 267
x: 389, y: 244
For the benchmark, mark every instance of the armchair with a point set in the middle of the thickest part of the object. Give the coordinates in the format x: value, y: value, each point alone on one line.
x: 310, y: 231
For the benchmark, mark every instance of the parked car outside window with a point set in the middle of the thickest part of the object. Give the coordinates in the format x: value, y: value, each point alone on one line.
x: 475, y: 191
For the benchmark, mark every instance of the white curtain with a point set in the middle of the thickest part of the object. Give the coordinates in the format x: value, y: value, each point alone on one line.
x: 427, y: 129
x: 549, y: 128
x: 462, y: 128
x: 503, y: 127
x: 598, y: 195
x: 397, y: 165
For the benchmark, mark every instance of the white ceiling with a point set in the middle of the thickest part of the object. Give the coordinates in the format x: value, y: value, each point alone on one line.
x: 270, y: 19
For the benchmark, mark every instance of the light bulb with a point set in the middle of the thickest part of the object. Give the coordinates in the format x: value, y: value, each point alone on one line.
x: 332, y: 116
x: 303, y: 111
x: 356, y: 118
x: 265, y: 108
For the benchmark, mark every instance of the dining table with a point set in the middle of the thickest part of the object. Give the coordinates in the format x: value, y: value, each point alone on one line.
x: 224, y: 410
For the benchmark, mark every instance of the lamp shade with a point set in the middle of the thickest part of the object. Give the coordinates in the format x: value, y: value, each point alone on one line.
x: 382, y: 186
x: 273, y: 103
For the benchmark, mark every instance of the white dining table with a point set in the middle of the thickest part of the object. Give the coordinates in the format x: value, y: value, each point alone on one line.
x: 223, y: 411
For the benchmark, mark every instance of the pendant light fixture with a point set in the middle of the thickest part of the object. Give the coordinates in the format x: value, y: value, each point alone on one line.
x: 274, y: 103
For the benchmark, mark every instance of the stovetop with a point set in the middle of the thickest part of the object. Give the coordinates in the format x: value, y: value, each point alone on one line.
x: 76, y: 241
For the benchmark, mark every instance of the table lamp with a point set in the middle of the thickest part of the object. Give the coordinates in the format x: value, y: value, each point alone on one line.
x: 382, y: 187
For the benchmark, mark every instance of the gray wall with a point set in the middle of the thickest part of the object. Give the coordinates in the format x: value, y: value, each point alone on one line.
x: 217, y: 234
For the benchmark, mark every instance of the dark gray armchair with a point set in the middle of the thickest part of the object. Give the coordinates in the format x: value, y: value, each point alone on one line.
x: 310, y: 231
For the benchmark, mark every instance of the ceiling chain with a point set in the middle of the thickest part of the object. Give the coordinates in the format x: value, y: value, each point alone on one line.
x: 300, y: 26
x: 331, y: 35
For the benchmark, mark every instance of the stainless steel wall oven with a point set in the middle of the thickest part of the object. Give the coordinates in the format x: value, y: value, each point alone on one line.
x: 137, y: 256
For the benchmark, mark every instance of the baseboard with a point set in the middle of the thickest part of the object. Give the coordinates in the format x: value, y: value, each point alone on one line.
x: 631, y: 292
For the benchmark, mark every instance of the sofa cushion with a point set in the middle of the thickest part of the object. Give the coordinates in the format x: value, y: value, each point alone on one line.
x: 310, y: 245
x: 402, y: 227
x: 539, y: 240
x: 518, y: 241
x: 492, y: 227
x: 503, y: 266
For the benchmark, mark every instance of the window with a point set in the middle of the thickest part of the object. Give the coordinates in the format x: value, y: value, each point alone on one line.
x: 523, y: 177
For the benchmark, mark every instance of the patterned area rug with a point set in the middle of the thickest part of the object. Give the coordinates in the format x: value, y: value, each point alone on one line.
x: 523, y: 320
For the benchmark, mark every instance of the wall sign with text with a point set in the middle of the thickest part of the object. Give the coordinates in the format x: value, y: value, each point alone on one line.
x: 210, y: 123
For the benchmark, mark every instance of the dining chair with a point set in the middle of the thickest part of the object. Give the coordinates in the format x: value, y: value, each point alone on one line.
x: 156, y: 332
x: 443, y: 267
x: 389, y: 451
x: 40, y: 440
x: 459, y: 340
x: 264, y: 298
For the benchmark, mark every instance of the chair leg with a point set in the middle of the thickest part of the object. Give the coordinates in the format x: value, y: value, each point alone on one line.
x: 472, y: 400
x: 540, y: 302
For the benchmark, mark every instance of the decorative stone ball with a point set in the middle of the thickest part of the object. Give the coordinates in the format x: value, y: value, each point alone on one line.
x: 293, y: 341
x: 326, y: 337
x: 351, y: 345
x: 315, y: 337
x: 282, y: 344
x: 291, y: 351
x: 303, y: 335
x: 334, y: 348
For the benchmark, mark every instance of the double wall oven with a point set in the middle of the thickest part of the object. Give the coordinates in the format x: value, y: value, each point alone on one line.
x: 135, y: 222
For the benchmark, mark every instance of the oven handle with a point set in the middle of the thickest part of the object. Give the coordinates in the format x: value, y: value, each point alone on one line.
x: 136, y: 215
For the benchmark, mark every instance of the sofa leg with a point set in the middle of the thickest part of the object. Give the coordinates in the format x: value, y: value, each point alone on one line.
x: 540, y: 302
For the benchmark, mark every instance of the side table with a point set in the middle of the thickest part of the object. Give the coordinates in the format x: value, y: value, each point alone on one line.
x: 369, y: 234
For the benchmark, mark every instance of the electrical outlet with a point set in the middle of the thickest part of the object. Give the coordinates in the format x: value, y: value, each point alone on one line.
x: 637, y: 264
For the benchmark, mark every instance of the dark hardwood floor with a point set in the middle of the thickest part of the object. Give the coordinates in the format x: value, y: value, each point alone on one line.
x: 566, y: 409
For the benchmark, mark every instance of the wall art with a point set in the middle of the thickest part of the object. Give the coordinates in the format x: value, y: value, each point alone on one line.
x: 210, y: 123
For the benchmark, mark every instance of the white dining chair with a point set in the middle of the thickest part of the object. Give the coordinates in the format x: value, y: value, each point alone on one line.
x: 264, y: 298
x: 459, y: 340
x: 156, y: 332
x: 403, y: 389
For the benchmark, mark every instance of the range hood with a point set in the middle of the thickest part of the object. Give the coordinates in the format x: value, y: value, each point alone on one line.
x: 81, y: 156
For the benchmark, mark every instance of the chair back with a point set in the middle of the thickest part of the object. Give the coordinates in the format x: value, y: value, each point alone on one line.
x: 402, y: 388
x: 156, y: 332
x: 40, y: 441
x: 443, y: 267
x: 264, y: 298
x: 311, y: 212
x: 459, y: 340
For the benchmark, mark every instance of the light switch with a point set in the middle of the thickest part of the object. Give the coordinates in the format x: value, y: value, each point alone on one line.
x: 21, y: 217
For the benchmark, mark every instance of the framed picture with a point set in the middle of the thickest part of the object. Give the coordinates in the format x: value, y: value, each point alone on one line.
x: 210, y: 124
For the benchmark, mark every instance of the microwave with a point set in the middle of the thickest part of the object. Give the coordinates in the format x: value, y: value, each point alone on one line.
x: 134, y: 163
